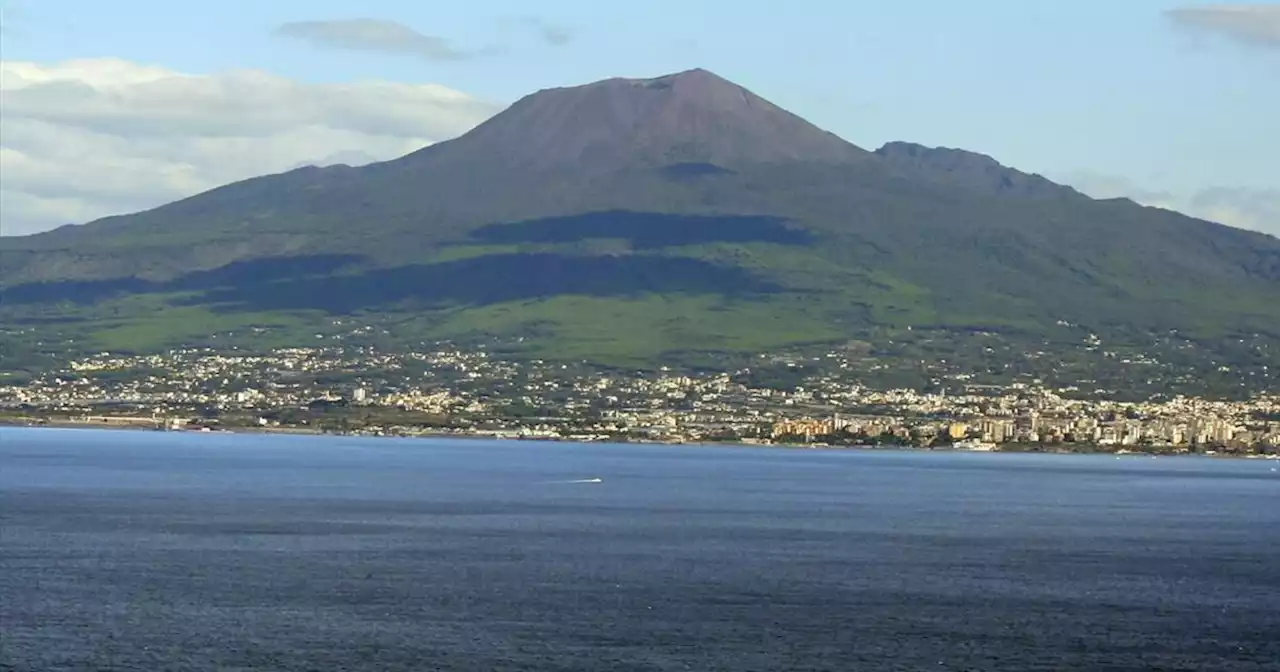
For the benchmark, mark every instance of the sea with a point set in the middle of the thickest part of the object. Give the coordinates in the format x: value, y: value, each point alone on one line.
x: 170, y: 551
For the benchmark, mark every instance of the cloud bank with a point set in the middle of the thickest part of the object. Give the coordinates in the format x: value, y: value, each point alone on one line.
x: 1252, y: 24
x: 1242, y: 207
x: 88, y: 138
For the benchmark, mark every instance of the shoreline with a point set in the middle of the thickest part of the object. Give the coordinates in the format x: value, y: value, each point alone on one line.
x: 303, y: 431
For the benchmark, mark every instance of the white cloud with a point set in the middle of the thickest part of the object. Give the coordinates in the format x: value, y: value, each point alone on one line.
x: 89, y: 138
x: 1242, y: 207
x: 373, y: 35
x: 392, y: 37
x: 553, y: 34
x: 1257, y: 209
x: 1254, y: 24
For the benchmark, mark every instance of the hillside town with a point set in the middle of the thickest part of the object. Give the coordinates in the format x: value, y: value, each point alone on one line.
x: 453, y: 391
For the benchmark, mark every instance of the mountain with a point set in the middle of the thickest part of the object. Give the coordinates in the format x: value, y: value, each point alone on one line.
x: 632, y: 218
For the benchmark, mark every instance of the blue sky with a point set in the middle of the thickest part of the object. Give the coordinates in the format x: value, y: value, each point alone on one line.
x: 1113, y: 94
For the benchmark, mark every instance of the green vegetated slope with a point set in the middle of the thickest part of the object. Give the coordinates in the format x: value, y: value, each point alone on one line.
x: 675, y: 214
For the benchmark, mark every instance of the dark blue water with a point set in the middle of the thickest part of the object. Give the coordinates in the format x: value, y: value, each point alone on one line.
x: 159, y: 551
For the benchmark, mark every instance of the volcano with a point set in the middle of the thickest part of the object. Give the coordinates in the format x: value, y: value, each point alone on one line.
x: 636, y: 218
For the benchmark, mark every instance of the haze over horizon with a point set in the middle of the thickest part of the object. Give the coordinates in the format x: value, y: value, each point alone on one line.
x: 114, y: 109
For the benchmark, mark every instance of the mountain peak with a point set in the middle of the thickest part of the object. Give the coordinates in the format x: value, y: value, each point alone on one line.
x: 690, y: 77
x: 619, y: 123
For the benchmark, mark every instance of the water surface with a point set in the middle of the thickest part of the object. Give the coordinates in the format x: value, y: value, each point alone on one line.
x: 166, y: 551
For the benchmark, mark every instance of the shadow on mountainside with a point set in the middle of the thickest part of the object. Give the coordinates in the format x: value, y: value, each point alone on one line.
x: 647, y: 230
x: 248, y: 273
x: 330, y: 283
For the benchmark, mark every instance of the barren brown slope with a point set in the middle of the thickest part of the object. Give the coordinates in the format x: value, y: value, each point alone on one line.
x: 688, y: 117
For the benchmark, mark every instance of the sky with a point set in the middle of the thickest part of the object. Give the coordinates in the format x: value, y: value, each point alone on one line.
x: 113, y: 107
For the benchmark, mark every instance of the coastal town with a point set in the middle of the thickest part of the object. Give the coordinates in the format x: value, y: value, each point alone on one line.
x: 467, y: 392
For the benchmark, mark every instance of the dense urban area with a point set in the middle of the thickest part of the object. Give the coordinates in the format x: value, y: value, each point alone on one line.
x: 455, y: 391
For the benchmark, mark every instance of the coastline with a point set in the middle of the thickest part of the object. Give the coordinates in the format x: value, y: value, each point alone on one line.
x: 1094, y: 450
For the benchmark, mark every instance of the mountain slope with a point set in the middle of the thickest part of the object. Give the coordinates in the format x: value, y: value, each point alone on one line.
x: 634, y: 217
